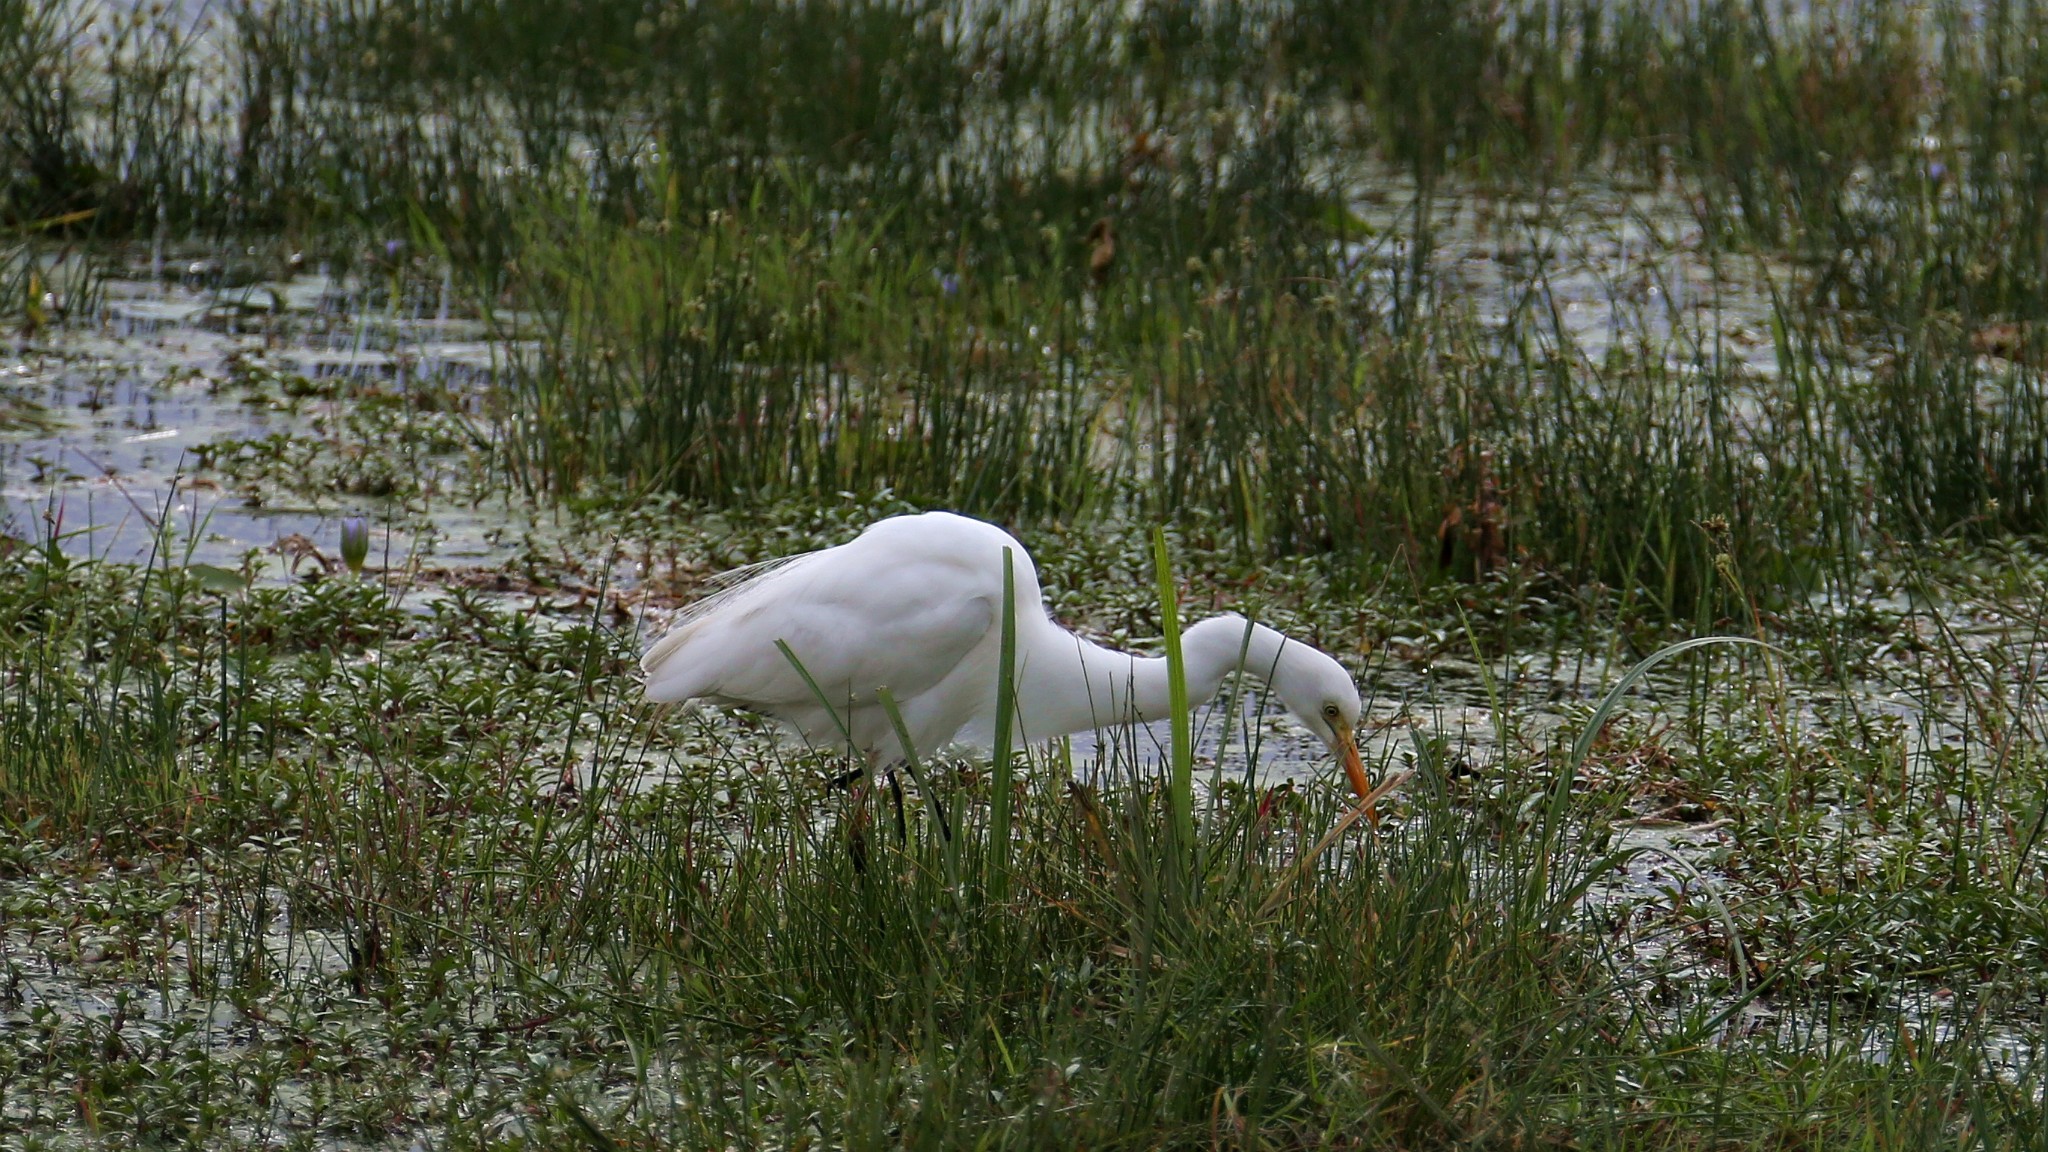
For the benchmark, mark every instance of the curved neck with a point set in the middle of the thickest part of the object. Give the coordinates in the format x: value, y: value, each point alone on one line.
x: 1067, y: 684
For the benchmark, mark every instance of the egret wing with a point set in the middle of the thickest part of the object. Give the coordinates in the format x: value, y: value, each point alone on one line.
x: 723, y: 590
x: 858, y: 618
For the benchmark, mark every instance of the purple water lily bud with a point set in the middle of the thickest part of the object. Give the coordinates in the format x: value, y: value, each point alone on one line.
x: 355, y: 543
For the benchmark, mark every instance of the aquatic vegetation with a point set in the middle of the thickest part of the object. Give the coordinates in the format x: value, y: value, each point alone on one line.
x: 384, y: 837
x: 1492, y: 347
x: 818, y: 247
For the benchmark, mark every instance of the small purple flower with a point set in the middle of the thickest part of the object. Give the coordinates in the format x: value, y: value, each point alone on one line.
x: 392, y: 248
x: 1936, y: 170
x: 355, y: 543
x: 950, y: 284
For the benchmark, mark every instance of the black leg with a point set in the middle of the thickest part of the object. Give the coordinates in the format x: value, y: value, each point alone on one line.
x: 896, y: 790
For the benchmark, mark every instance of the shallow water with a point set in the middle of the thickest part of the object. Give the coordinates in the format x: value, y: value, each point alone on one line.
x: 123, y: 410
x: 1605, y: 269
x: 122, y: 406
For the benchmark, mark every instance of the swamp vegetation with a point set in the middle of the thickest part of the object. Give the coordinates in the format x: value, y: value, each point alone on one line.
x: 1496, y: 346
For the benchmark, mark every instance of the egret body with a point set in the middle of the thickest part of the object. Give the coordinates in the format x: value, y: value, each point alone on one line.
x: 913, y: 605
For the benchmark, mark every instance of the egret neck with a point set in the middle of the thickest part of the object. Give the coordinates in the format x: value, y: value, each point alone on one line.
x: 1070, y: 684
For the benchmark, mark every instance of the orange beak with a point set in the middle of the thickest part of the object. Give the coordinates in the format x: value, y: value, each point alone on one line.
x: 1346, y: 748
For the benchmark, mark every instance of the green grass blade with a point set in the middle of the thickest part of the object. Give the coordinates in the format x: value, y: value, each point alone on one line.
x: 817, y: 693
x: 1181, y: 780
x: 1561, y: 791
x: 1583, y: 746
x: 1001, y: 766
x: 1738, y: 957
x: 913, y: 766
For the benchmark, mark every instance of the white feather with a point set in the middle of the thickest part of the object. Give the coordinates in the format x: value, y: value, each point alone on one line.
x: 911, y: 605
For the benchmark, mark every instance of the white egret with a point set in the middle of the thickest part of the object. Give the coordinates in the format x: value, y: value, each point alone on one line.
x: 913, y: 606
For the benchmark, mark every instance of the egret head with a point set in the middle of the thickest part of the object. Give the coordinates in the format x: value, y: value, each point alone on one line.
x: 1321, y: 695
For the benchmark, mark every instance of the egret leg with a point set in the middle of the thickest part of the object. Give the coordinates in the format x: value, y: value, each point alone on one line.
x: 896, y: 790
x: 861, y: 782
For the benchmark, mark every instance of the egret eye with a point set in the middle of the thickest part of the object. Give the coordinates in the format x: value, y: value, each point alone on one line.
x: 1330, y: 710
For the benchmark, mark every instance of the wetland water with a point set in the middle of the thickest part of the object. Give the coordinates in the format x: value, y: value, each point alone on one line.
x: 116, y: 419
x: 117, y: 423
x: 1722, y: 320
x: 187, y: 424
x: 123, y: 422
x: 205, y: 414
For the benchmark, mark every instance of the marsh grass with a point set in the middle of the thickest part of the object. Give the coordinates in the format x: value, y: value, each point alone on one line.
x: 1046, y: 259
x: 731, y: 359
x: 389, y: 867
x: 725, y: 360
x: 444, y: 849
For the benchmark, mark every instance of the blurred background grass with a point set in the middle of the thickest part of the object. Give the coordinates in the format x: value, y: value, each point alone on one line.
x: 1038, y: 259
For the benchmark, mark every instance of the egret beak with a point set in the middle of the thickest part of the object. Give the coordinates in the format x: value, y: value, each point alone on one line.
x: 1345, y: 747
